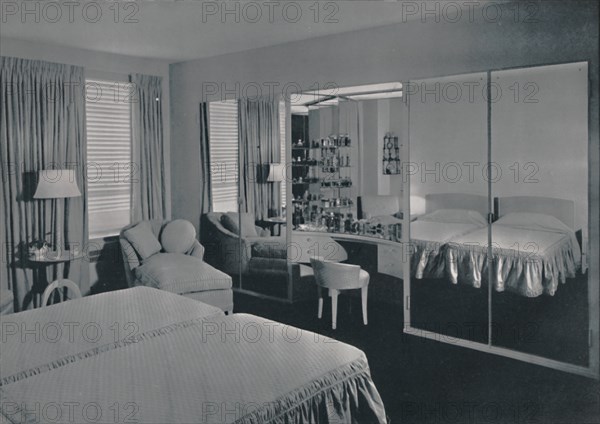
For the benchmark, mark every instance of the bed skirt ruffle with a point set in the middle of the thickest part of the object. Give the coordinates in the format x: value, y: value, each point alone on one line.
x: 427, y: 259
x: 338, y: 397
x: 525, y: 273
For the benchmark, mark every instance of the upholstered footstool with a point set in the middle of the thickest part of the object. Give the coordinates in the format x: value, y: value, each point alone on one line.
x: 188, y: 276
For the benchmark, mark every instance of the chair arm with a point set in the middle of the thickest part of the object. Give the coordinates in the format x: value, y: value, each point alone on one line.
x: 197, y: 250
x: 224, y: 254
x: 130, y: 260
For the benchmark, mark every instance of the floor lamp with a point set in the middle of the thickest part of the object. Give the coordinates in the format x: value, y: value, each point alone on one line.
x: 276, y: 175
x: 57, y: 184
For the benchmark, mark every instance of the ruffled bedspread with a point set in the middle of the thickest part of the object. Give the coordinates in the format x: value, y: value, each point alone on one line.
x: 427, y: 259
x: 428, y: 246
x: 526, y: 261
x: 238, y: 369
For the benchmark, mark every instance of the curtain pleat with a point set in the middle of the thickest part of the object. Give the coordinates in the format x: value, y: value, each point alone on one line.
x: 206, y: 188
x: 148, y: 185
x: 259, y: 147
x: 42, y: 126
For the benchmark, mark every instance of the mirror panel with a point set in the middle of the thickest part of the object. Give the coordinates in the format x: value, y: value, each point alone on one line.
x: 449, y: 202
x: 539, y: 139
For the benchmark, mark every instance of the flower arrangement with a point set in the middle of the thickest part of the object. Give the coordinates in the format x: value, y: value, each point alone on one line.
x: 38, y: 248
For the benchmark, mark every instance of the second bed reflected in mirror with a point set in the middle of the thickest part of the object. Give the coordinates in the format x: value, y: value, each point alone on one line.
x: 499, y: 198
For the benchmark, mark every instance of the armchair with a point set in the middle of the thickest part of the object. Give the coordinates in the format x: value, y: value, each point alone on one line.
x: 223, y: 250
x: 263, y: 259
x: 153, y: 262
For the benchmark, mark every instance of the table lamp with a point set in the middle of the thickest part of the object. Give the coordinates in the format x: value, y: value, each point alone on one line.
x: 276, y: 174
x: 57, y: 184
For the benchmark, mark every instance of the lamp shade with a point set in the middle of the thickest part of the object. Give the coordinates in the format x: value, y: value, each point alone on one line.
x: 276, y: 172
x: 56, y: 183
x: 417, y: 205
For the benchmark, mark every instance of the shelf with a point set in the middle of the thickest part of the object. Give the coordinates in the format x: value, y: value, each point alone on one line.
x: 338, y: 207
x: 335, y: 167
x: 305, y: 201
x: 335, y: 184
x: 305, y: 183
x: 327, y: 162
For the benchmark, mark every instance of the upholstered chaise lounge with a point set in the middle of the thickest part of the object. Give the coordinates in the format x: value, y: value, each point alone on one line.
x: 166, y: 255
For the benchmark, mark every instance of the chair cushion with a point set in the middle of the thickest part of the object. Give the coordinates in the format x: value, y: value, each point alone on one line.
x: 178, y: 236
x: 180, y: 274
x: 229, y: 220
x: 269, y: 247
x: 143, y: 239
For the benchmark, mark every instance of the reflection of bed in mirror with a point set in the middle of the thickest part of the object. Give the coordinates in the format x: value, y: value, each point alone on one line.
x: 447, y: 216
x: 533, y: 243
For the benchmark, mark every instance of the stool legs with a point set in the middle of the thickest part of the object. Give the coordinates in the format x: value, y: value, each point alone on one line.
x: 364, y: 291
x: 320, y: 310
x: 363, y: 294
x: 334, y: 302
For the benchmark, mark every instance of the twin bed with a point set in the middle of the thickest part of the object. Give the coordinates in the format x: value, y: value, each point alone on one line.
x: 534, y: 247
x: 149, y: 356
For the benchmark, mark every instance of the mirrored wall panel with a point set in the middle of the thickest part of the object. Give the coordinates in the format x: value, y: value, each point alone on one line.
x: 539, y: 140
x: 449, y: 201
x: 499, y: 232
x: 347, y: 191
x: 244, y: 220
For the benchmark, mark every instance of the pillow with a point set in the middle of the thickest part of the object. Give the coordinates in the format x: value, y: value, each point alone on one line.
x: 178, y: 236
x: 533, y: 221
x: 455, y: 216
x: 230, y: 222
x: 143, y: 239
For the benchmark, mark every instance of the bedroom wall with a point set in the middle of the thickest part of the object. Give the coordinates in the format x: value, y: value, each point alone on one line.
x: 105, y: 266
x: 379, y: 118
x: 405, y: 51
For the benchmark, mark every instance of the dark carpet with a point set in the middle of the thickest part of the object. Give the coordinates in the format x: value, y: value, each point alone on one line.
x: 425, y: 381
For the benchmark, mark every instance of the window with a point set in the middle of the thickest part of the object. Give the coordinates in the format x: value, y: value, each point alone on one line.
x: 223, y: 136
x: 109, y: 167
x: 224, y: 144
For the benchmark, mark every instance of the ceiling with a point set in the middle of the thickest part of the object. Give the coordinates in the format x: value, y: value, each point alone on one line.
x: 184, y: 30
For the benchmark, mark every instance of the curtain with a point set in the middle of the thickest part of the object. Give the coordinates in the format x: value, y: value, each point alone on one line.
x: 42, y: 126
x: 206, y: 189
x: 259, y: 146
x: 149, y: 188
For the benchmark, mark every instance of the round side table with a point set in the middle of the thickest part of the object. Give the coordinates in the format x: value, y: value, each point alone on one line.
x: 40, y: 264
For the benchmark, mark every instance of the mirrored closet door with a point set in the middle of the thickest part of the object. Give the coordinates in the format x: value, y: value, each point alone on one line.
x: 510, y: 158
x: 539, y: 142
x: 448, y: 199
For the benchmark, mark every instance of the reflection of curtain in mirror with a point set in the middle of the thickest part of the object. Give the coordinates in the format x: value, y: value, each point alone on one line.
x: 260, y: 145
x: 205, y: 185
